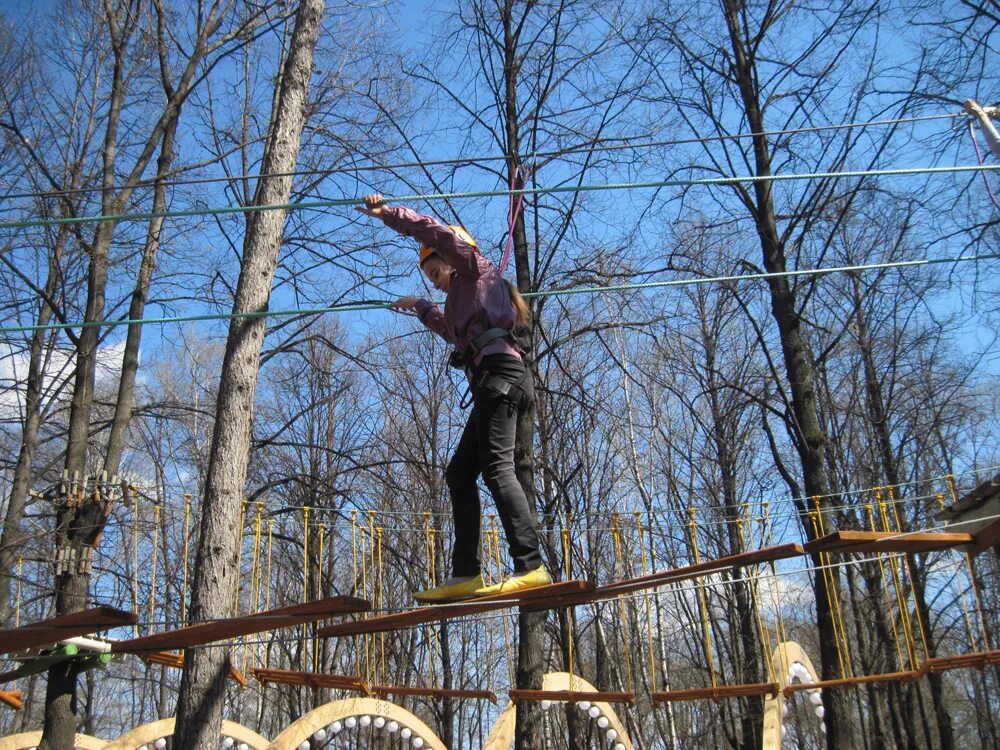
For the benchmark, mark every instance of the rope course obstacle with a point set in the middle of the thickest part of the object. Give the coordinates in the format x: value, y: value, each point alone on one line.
x: 883, y: 544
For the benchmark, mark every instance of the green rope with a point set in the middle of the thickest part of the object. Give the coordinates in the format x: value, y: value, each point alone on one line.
x: 303, y: 205
x: 548, y: 293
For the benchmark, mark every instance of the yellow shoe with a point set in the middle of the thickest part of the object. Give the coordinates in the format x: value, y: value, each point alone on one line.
x: 530, y: 579
x: 451, y: 590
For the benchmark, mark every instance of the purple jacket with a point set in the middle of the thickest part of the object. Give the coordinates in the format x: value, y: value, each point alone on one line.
x: 478, y: 298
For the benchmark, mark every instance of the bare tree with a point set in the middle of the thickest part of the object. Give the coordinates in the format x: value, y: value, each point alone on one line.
x: 199, y: 705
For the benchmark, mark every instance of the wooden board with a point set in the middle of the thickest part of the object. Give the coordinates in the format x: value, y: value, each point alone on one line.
x: 423, y: 615
x: 976, y: 660
x: 985, y: 538
x: 176, y: 660
x: 430, y: 692
x: 716, y: 693
x: 908, y: 676
x: 12, y: 699
x: 225, y: 629
x: 887, y: 541
x: 311, y: 679
x: 48, y: 632
x: 573, y: 696
x: 687, y: 572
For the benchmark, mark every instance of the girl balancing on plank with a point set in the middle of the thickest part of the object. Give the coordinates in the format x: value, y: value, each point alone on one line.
x: 480, y: 312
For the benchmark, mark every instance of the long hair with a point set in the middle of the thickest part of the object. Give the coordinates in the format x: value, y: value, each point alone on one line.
x: 520, y: 306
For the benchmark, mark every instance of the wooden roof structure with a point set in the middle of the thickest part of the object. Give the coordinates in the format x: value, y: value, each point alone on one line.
x: 55, y: 629
x: 232, y: 627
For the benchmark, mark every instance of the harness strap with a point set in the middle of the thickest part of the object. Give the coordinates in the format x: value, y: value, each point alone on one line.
x: 480, y: 342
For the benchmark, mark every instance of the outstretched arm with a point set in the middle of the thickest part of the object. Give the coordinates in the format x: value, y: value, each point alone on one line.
x: 427, y: 312
x: 427, y: 230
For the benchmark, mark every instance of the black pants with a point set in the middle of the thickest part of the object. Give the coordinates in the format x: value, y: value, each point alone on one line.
x: 487, y: 447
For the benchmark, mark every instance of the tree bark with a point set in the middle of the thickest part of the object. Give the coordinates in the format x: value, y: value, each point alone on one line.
x: 199, y: 705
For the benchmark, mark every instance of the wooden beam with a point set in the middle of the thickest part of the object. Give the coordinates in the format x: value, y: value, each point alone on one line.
x: 311, y: 679
x: 12, y: 699
x: 988, y: 536
x: 976, y: 660
x: 887, y: 541
x: 572, y: 696
x: 176, y: 660
x: 908, y: 676
x: 717, y: 693
x: 687, y: 572
x: 55, y: 629
x: 423, y: 615
x: 233, y: 627
x: 431, y: 692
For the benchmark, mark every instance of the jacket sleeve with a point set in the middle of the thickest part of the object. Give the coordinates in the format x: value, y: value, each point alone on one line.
x: 433, y: 318
x: 455, y: 251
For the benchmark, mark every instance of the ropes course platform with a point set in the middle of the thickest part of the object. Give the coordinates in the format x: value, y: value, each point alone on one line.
x: 542, y: 597
x: 562, y: 594
x: 61, y: 627
x: 888, y: 541
x: 176, y: 660
x: 220, y: 630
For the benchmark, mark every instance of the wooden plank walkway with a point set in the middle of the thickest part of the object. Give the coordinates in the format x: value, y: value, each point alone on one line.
x: 232, y: 627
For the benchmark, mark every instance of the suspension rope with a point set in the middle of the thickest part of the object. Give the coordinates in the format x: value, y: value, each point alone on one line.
x: 184, y: 567
x: 616, y: 535
x: 703, y: 600
x: 643, y: 569
x: 885, y: 588
x: 474, y: 160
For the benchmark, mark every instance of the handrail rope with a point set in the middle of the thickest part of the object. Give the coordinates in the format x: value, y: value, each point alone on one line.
x: 363, y: 306
x: 417, y: 197
x: 472, y: 160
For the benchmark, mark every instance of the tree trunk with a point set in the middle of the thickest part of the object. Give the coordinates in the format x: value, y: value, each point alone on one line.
x: 199, y: 704
x: 811, y: 437
x: 137, y: 307
x: 12, y: 536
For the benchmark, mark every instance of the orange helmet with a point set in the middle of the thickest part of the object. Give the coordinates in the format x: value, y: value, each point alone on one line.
x: 427, y: 251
